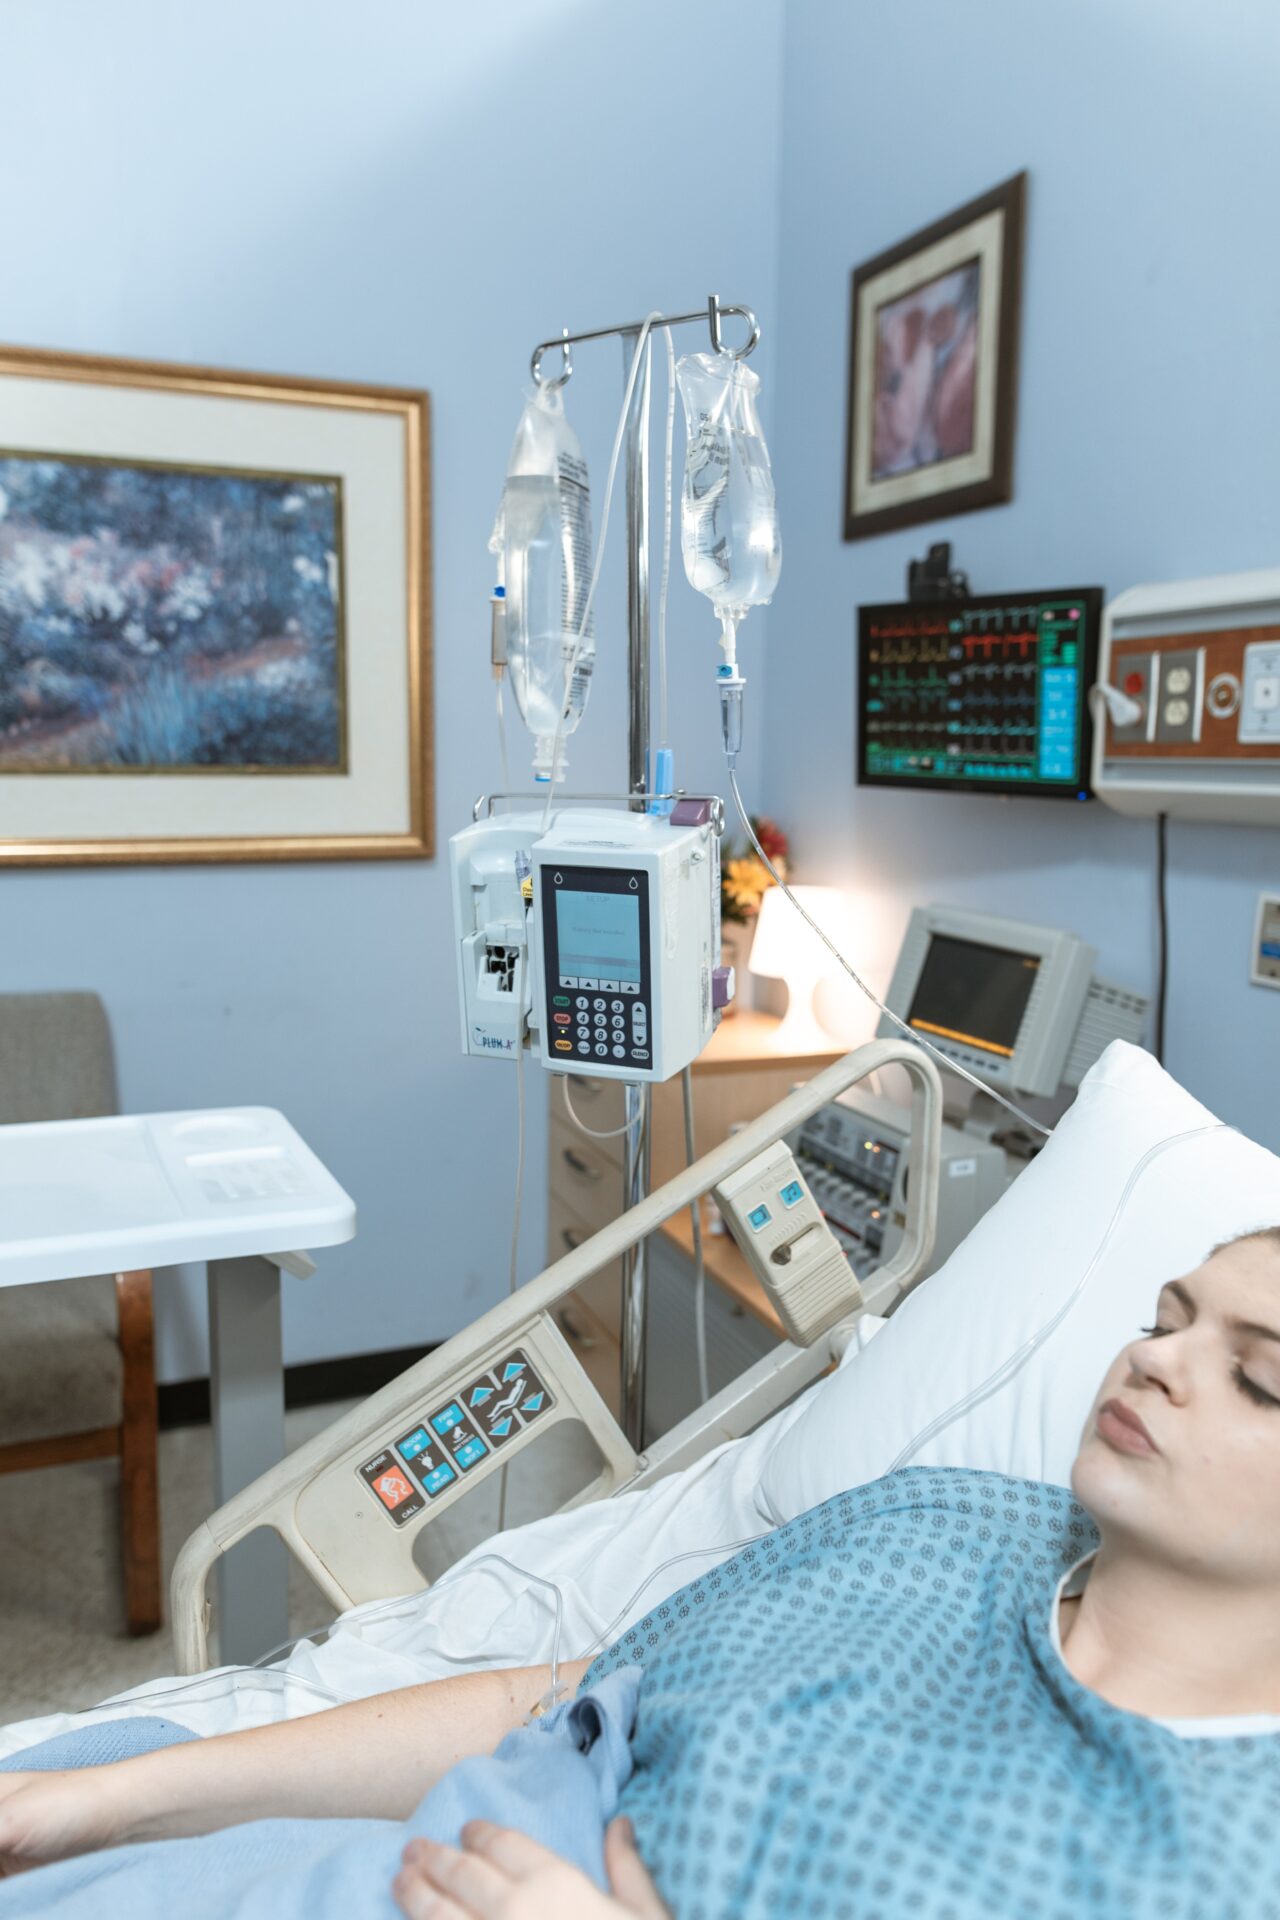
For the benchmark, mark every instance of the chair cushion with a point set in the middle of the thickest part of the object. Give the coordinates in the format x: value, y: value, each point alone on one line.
x: 55, y: 1057
x: 60, y: 1366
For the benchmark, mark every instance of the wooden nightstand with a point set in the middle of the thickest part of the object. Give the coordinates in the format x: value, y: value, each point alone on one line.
x: 737, y: 1077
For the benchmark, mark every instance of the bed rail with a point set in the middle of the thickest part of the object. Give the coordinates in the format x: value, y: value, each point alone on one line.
x: 331, y: 1501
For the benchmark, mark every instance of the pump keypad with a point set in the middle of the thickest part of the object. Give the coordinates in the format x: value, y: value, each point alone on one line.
x: 431, y: 1458
x: 607, y: 1027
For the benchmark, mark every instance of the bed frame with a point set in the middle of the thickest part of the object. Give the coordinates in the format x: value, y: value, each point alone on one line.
x: 321, y: 1500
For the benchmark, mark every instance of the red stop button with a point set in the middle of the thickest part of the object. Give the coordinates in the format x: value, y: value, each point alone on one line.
x: 1134, y: 682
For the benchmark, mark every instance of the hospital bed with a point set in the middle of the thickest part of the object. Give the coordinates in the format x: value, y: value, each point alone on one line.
x: 353, y: 1504
x: 1137, y: 1183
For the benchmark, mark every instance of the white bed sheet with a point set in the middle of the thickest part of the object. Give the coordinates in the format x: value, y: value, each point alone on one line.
x: 482, y: 1615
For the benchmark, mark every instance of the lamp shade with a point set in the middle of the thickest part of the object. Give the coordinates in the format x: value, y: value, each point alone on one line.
x: 786, y: 948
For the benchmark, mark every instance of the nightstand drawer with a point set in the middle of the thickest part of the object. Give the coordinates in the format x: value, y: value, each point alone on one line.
x: 602, y: 1294
x: 582, y: 1175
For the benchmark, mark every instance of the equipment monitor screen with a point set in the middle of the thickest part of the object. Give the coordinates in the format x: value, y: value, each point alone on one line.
x: 598, y: 935
x: 973, y: 994
x: 986, y: 695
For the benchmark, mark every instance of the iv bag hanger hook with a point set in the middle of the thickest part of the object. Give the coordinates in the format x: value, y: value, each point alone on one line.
x: 713, y: 313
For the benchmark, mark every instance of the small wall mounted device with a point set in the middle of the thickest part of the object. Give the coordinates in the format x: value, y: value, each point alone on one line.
x: 1189, y: 675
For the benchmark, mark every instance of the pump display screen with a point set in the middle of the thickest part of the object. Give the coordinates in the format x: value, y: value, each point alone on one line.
x: 973, y: 994
x: 598, y: 935
x: 988, y: 695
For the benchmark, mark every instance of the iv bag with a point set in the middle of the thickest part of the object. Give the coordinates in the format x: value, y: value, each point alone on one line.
x: 728, y: 514
x: 543, y: 533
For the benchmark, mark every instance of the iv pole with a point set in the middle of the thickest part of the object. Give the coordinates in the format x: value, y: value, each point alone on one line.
x: 638, y: 1096
x: 638, y: 1109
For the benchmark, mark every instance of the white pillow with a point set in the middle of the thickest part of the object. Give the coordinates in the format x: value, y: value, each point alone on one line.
x: 1010, y: 1277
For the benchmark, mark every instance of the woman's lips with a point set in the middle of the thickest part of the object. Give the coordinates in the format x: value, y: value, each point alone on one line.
x: 1121, y: 1428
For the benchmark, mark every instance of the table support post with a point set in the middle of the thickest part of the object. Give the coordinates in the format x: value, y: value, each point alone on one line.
x: 246, y: 1391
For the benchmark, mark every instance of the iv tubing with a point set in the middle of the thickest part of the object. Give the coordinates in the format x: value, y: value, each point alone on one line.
x: 596, y: 1133
x: 513, y: 1269
x: 917, y: 1039
x: 502, y: 738
x: 700, y: 1265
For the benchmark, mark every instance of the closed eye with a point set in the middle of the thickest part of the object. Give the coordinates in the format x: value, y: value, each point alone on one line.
x: 1257, y: 1394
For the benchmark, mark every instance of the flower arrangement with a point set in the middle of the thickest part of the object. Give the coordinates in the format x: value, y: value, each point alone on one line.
x: 744, y: 878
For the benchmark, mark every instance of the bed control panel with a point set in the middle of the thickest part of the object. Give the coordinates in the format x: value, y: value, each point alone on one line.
x: 779, y: 1226
x: 433, y: 1455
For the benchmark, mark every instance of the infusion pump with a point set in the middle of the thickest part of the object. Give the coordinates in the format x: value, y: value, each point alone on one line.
x: 601, y: 934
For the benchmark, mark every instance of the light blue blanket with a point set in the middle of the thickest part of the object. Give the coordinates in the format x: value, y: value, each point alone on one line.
x: 557, y: 1780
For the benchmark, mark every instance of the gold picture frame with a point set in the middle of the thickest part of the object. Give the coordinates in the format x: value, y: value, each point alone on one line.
x: 138, y: 415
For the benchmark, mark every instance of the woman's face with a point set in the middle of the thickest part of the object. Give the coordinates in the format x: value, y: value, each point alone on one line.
x: 1181, y: 1452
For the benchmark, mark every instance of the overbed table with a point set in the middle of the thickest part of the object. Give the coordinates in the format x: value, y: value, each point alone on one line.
x: 235, y: 1187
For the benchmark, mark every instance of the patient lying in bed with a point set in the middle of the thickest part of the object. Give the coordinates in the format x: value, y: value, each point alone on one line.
x: 944, y: 1694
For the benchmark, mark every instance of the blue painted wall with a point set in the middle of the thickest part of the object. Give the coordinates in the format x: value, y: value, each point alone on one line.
x: 409, y: 194
x: 416, y: 194
x: 1149, y: 418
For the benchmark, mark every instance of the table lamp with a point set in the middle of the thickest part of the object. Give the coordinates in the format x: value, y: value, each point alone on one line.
x: 786, y: 948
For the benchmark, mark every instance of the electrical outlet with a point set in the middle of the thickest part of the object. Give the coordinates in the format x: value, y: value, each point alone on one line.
x: 1265, y: 968
x: 1181, y: 702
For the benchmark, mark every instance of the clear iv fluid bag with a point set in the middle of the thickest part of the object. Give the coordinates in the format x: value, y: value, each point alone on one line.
x: 728, y: 513
x: 543, y: 532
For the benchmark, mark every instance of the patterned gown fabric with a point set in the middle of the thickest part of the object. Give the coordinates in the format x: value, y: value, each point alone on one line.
x: 863, y: 1716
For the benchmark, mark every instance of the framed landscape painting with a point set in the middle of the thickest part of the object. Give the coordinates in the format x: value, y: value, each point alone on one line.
x: 214, y: 615
x: 933, y: 356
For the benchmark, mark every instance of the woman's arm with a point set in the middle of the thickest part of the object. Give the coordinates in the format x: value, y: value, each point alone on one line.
x: 375, y: 1757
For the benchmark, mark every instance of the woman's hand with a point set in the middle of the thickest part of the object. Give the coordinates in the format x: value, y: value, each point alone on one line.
x: 51, y: 1816
x: 501, y: 1875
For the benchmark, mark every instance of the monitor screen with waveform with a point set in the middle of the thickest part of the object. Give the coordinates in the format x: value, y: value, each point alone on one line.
x: 985, y: 695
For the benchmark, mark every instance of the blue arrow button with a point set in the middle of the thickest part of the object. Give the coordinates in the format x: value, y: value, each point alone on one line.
x: 502, y: 1428
x: 512, y: 1369
x: 534, y: 1401
x: 482, y: 1394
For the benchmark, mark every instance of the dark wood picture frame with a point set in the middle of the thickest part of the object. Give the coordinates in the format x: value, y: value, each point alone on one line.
x: 994, y: 485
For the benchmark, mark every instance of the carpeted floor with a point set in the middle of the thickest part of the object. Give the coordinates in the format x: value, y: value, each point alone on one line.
x: 63, y: 1643
x: 62, y: 1638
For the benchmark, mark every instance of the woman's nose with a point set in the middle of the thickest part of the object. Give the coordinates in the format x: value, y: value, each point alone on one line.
x: 1154, y: 1363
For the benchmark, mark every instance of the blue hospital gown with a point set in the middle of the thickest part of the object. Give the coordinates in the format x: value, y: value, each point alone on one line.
x: 863, y: 1716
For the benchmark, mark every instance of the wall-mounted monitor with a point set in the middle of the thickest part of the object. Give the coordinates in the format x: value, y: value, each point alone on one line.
x: 984, y: 695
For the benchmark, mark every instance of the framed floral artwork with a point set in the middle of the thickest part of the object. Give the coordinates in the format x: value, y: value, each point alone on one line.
x: 215, y: 637
x: 933, y: 358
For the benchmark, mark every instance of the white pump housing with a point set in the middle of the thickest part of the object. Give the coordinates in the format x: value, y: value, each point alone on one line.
x: 601, y: 933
